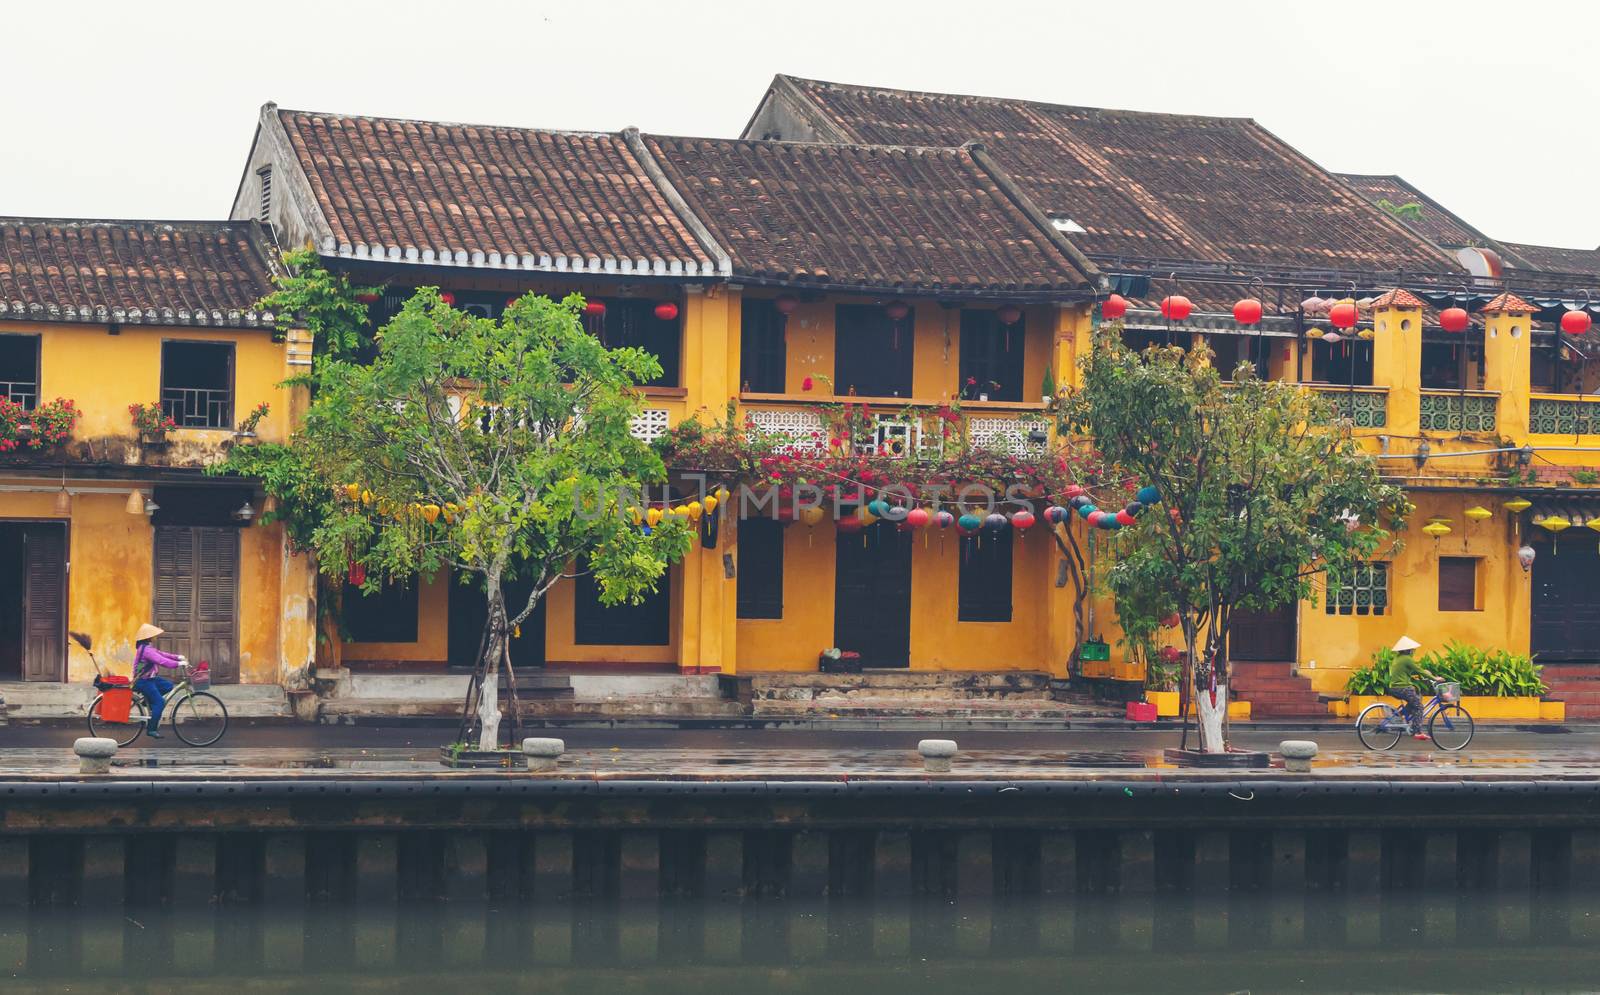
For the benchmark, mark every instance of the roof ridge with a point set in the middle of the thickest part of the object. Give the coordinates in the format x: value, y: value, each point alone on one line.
x: 586, y: 132
x: 956, y: 150
x: 9, y: 219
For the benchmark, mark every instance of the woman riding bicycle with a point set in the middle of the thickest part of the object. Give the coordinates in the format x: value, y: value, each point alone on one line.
x: 147, y: 661
x: 1403, y: 673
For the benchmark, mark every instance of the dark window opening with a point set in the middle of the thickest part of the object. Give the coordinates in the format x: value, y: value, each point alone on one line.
x: 1458, y: 583
x: 264, y: 213
x: 1442, y: 361
x: 632, y: 322
x: 1140, y: 339
x: 985, y: 584
x: 387, y: 615
x: 648, y: 623
x: 1345, y: 362
x: 991, y: 356
x: 19, y: 369
x: 872, y: 352
x: 1228, y: 351
x: 760, y: 568
x: 481, y: 304
x: 763, y: 353
x: 197, y: 383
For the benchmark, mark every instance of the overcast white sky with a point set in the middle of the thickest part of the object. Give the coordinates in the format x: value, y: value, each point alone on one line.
x: 145, y: 110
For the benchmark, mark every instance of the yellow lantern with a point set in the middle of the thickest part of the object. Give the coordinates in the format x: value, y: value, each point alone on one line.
x: 680, y: 510
x: 721, y: 494
x: 1436, y: 529
x: 1593, y: 523
x: 653, y: 516
x: 1478, y: 513
x: 1517, y: 505
x: 1314, y: 333
x: 711, y: 503
x: 450, y: 510
x: 1365, y: 333
x: 366, y: 496
x: 1555, y: 523
x: 353, y: 491
x: 693, y: 510
x: 866, y: 516
x: 430, y: 513
x: 811, y: 516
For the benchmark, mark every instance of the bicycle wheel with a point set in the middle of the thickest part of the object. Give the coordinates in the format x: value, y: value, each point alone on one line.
x: 123, y: 732
x: 1380, y: 726
x: 1451, y: 728
x: 199, y: 718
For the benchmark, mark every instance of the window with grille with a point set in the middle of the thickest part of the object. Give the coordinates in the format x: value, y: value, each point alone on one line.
x: 1458, y: 583
x: 19, y: 369
x: 1364, y: 592
x: 197, y: 383
x: 632, y: 321
x: 991, y: 357
x: 985, y: 582
x: 763, y: 354
x: 760, y: 568
x: 265, y: 212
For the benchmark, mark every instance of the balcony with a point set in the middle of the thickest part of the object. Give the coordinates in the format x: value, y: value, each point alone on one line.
x: 911, y: 428
x: 1362, y: 407
x: 1471, y: 411
x: 1564, y: 415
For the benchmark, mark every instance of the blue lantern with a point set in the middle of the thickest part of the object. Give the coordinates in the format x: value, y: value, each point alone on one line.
x: 995, y: 522
x: 1148, y: 495
x: 1087, y: 509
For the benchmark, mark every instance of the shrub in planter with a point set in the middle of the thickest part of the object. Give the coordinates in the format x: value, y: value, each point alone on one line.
x: 1480, y: 672
x: 150, y: 421
x: 49, y: 424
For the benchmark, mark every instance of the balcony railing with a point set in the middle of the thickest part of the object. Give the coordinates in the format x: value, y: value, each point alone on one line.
x: 902, y: 433
x: 1458, y: 411
x: 1362, y: 407
x: 197, y: 407
x: 1564, y: 416
x: 23, y: 392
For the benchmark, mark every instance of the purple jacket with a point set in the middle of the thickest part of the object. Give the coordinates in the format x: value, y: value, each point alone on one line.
x: 148, y: 659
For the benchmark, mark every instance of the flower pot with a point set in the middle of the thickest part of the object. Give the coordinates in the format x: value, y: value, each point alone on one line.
x: 983, y: 397
x: 1165, y: 702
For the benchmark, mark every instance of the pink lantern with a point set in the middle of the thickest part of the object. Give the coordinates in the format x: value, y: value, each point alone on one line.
x: 1332, y: 338
x: 594, y: 309
x: 448, y: 298
x: 786, y: 303
x: 917, y: 518
x: 1124, y: 518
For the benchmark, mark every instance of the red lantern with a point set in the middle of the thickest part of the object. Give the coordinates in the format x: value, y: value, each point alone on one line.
x: 1342, y: 314
x: 1453, y: 319
x: 786, y: 303
x: 896, y: 310
x: 1171, y: 654
x: 1575, y: 322
x: 917, y: 518
x: 667, y: 311
x: 1171, y: 620
x: 1114, y: 307
x: 358, y: 574
x: 1247, y: 311
x: 448, y: 298
x: 1022, y: 520
x: 850, y: 525
x: 1124, y: 518
x: 510, y: 301
x: 1176, y: 307
x: 594, y: 308
x: 1073, y: 490
x: 367, y: 298
x: 1010, y: 314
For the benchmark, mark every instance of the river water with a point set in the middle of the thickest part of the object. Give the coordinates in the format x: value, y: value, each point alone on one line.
x: 1460, y: 943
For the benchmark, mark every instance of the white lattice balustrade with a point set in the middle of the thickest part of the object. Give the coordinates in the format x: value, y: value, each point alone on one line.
x: 649, y: 424
x: 1004, y: 435
x: 801, y: 428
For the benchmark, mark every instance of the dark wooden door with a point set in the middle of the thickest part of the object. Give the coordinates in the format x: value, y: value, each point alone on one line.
x: 44, y: 628
x: 197, y: 596
x: 1263, y: 636
x: 872, y: 354
x: 872, y: 596
x: 469, y: 613
x: 1566, y: 601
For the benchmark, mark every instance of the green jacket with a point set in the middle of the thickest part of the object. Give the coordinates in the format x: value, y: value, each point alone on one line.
x: 1404, y: 670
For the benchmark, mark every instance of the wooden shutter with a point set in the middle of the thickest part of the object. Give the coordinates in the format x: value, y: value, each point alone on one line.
x: 648, y: 623
x: 216, y: 600
x: 985, y: 581
x: 760, y: 568
x: 1458, y: 583
x: 174, y: 588
x: 44, y: 629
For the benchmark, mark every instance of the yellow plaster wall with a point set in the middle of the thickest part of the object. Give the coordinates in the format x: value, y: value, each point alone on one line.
x: 431, y: 647
x: 561, y: 646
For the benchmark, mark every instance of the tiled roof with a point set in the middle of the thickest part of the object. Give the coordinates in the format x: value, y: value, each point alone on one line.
x: 1441, y: 226
x: 1141, y: 184
x: 1398, y: 297
x: 1551, y: 259
x: 156, y: 272
x: 1509, y: 303
x: 519, y: 198
x: 851, y: 216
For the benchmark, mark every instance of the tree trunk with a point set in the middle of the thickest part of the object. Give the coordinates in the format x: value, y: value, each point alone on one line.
x: 493, y: 652
x: 1212, y: 709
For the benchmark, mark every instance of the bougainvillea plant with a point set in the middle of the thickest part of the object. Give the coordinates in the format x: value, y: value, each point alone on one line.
x: 49, y: 424
x: 150, y: 420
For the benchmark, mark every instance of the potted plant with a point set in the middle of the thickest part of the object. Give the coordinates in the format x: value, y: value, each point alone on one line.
x: 247, y: 428
x: 151, y: 423
x: 1161, y: 681
x: 837, y: 661
x: 46, y: 426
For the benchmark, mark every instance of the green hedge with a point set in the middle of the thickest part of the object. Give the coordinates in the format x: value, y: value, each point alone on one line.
x: 1489, y: 673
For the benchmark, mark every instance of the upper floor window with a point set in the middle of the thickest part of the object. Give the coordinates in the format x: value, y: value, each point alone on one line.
x: 264, y: 212
x: 19, y: 369
x: 991, y: 357
x: 1344, y: 362
x: 872, y: 351
x: 763, y: 352
x: 633, y: 321
x: 197, y: 383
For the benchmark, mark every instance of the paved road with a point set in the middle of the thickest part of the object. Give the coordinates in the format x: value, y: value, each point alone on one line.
x: 242, y: 734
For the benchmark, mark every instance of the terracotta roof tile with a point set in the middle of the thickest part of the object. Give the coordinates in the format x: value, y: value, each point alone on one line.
x: 926, y: 219
x: 1399, y: 297
x: 472, y: 194
x: 1552, y: 259
x: 1509, y: 303
x: 1436, y: 223
x: 157, y: 272
x: 1146, y: 185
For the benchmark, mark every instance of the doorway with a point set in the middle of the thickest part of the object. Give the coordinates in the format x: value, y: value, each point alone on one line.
x: 1264, y: 637
x: 469, y: 613
x: 197, y: 596
x: 872, y: 596
x: 33, y: 601
x: 1566, y: 601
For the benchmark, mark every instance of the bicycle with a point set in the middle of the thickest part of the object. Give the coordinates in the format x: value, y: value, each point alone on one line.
x: 196, y: 715
x: 1380, y: 725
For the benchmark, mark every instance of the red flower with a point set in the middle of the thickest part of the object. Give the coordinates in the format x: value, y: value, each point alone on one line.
x: 806, y: 384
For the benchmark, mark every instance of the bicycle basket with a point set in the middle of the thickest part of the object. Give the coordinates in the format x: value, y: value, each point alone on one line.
x: 200, y: 677
x: 1448, y: 691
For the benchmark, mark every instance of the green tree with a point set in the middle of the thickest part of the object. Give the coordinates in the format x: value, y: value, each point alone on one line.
x: 498, y: 448
x: 1261, y: 491
x: 324, y: 303
x: 1409, y: 211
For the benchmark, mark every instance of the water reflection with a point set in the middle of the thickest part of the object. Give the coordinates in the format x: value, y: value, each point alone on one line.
x: 1464, y: 942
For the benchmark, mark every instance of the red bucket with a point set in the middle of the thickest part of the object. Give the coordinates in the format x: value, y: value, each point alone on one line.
x: 115, y: 704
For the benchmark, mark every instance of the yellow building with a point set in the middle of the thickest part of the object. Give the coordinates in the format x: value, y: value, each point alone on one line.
x: 104, y: 527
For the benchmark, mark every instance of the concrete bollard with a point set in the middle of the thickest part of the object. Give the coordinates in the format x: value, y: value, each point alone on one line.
x: 543, y: 754
x: 94, y: 754
x: 936, y: 754
x: 1297, y: 754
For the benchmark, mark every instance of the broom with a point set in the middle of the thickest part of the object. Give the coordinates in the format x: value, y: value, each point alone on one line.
x: 82, y: 639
